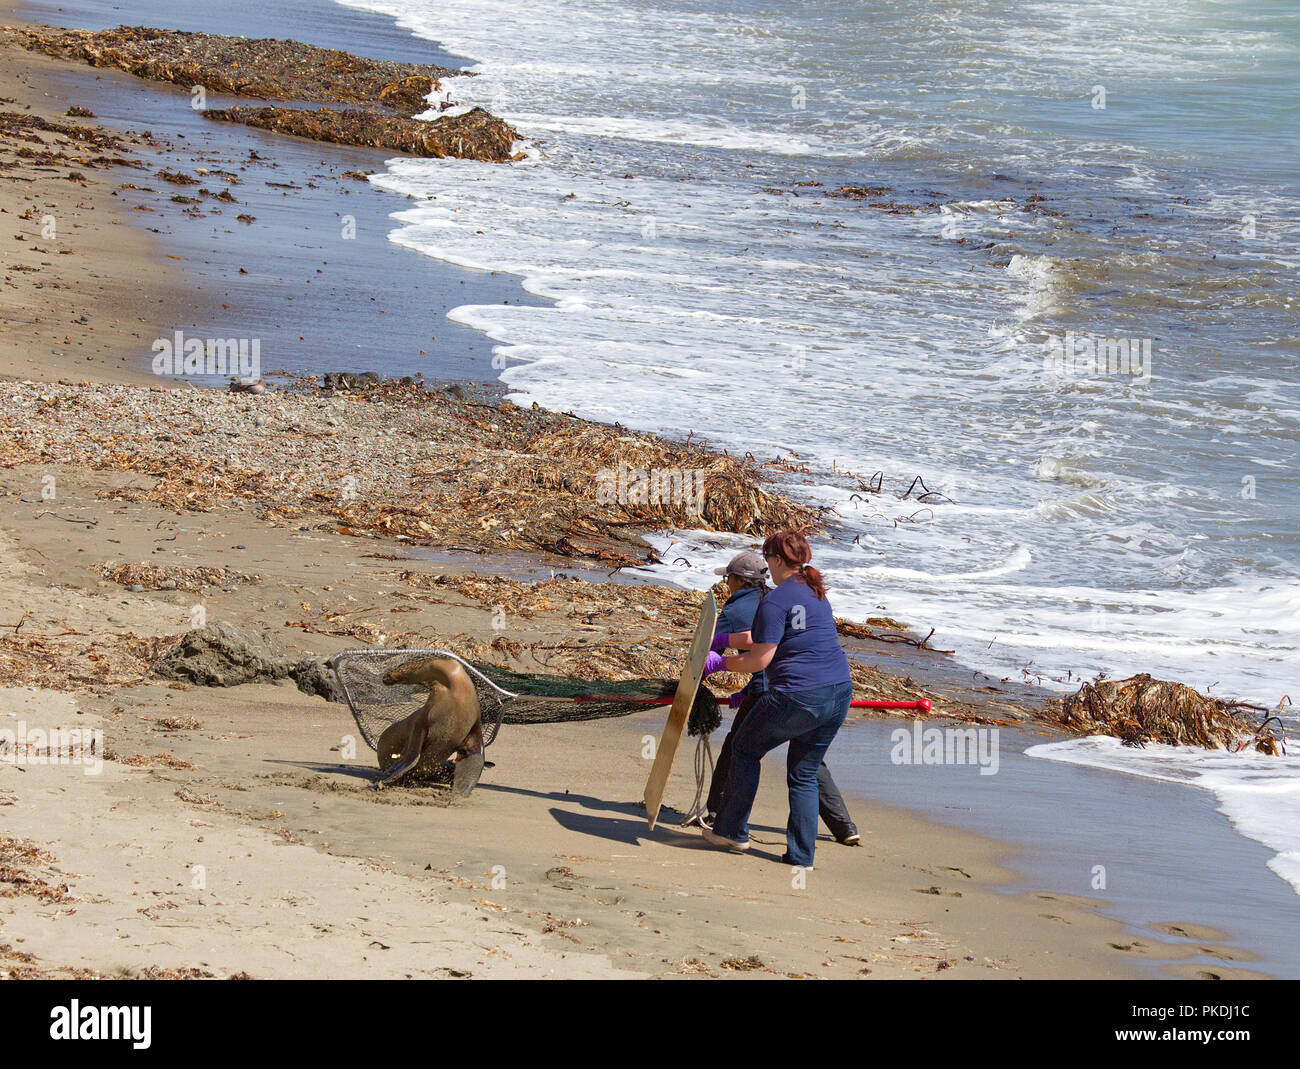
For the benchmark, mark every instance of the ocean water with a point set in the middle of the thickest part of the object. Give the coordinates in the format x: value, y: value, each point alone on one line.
x: 1053, y: 175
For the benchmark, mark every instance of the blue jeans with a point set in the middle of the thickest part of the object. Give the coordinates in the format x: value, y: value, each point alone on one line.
x: 808, y: 721
x: 830, y: 803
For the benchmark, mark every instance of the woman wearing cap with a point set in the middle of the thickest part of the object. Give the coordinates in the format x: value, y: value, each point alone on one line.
x: 746, y: 579
x: 807, y: 698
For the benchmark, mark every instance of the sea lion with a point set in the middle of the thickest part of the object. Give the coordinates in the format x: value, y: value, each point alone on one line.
x: 449, y: 726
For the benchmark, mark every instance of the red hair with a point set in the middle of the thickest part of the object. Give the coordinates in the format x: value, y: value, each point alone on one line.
x: 794, y: 550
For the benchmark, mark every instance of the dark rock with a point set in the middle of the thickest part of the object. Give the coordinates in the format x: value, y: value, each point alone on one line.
x: 224, y: 655
x: 318, y: 678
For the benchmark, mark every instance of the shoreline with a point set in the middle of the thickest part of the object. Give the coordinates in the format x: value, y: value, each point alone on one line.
x: 309, y: 239
x: 240, y: 785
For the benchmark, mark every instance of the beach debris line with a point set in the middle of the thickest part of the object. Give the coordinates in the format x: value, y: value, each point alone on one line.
x: 380, y: 97
x: 1141, y: 709
x: 472, y: 135
x: 264, y: 68
x: 73, y: 660
x: 31, y: 141
x: 394, y: 461
x: 148, y: 576
x: 856, y: 630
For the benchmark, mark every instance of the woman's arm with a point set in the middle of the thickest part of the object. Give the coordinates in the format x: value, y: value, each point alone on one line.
x: 740, y: 640
x: 755, y: 659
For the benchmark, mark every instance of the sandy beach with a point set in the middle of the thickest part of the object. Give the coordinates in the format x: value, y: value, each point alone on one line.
x: 235, y: 831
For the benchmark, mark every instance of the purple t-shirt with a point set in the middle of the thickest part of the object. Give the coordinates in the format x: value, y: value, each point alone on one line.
x: 808, y: 652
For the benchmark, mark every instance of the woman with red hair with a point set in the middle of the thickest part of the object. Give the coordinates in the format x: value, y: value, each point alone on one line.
x: 808, y: 695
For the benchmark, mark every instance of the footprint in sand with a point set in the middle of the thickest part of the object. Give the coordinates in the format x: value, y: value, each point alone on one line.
x: 936, y: 891
x: 1226, y: 954
x: 563, y: 877
x: 604, y: 900
x: 1181, y: 930
x: 1136, y: 946
x: 1053, y: 917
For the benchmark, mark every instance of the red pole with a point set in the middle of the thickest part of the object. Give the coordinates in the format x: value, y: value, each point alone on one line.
x: 923, y: 705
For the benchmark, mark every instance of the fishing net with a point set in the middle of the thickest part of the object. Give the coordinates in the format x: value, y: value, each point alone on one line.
x: 505, y: 697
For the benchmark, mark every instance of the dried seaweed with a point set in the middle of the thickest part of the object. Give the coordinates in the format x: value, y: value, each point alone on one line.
x: 174, y: 577
x: 33, y: 141
x: 261, y: 68
x: 380, y: 96
x: 20, y: 862
x: 395, y: 461
x: 1141, y: 709
x: 473, y: 135
x: 71, y: 660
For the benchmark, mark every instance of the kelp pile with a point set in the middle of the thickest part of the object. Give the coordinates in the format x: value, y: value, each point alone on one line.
x: 261, y: 68
x: 381, y: 96
x: 474, y: 135
x: 616, y: 605
x: 1141, y: 709
x: 872, y: 684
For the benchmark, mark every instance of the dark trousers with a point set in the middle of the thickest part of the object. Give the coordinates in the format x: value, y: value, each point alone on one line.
x: 830, y: 803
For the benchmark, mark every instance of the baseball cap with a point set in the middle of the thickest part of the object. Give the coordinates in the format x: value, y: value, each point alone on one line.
x: 746, y: 565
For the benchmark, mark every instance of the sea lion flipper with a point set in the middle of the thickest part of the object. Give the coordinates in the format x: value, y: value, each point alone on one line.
x: 468, y: 771
x: 410, y: 755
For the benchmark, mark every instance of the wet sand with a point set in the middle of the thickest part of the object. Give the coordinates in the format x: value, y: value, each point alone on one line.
x: 550, y: 856
x: 312, y: 276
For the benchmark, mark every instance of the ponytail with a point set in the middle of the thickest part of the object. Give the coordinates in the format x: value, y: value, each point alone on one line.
x: 813, y: 578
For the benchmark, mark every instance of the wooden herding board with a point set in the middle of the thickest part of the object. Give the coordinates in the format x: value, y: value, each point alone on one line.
x: 683, y: 699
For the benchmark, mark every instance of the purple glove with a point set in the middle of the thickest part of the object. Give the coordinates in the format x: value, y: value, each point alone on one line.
x: 736, y: 700
x: 720, y: 642
x: 714, y: 663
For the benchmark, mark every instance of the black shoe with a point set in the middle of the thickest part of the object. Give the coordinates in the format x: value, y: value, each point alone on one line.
x: 785, y: 860
x: 851, y: 839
